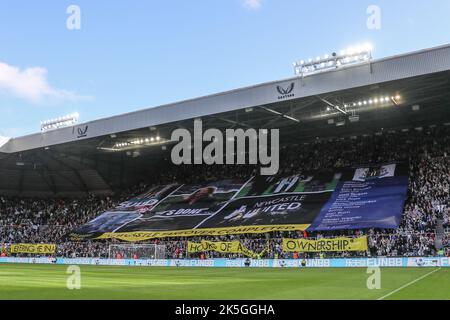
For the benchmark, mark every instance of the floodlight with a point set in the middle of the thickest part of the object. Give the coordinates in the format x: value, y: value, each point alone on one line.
x: 355, y: 54
x: 60, y: 122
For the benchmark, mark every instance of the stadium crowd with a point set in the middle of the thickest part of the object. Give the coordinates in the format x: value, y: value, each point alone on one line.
x: 426, y: 151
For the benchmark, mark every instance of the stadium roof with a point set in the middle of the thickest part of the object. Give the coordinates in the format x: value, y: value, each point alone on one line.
x: 84, y: 158
x: 367, y: 74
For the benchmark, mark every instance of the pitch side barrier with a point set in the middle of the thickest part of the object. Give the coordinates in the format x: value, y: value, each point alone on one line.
x: 240, y: 263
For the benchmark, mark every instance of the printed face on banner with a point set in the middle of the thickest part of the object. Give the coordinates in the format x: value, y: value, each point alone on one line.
x: 186, y: 207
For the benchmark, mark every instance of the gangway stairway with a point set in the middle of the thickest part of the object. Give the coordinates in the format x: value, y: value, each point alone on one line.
x: 439, y: 234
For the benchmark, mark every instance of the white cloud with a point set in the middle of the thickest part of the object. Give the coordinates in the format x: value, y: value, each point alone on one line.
x: 31, y: 84
x: 252, y: 4
x: 3, y: 140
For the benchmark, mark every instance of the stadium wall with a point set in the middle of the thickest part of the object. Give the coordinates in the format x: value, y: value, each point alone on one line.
x: 401, y: 262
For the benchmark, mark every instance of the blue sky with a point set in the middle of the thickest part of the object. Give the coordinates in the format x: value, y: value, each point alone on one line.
x: 133, y: 54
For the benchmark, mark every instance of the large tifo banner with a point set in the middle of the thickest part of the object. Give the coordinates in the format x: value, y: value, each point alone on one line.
x: 350, y: 198
x: 33, y: 248
x: 339, y: 244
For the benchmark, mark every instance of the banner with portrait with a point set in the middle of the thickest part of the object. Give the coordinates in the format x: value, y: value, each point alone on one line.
x: 348, y: 198
x: 123, y: 214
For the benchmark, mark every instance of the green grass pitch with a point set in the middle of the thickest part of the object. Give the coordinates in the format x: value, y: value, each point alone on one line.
x: 18, y: 281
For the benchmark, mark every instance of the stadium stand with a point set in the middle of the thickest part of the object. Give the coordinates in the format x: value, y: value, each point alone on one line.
x: 26, y: 220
